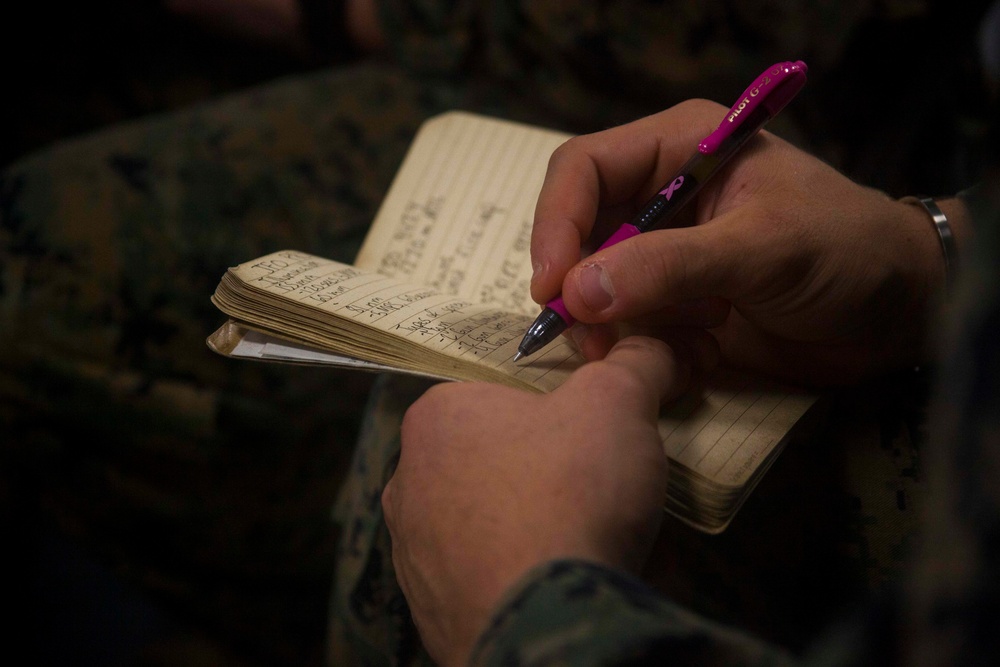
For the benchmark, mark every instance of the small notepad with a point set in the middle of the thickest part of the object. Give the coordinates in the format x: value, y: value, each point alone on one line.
x: 440, y: 288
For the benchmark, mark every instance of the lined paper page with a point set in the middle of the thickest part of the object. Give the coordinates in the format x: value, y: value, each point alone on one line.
x: 458, y: 216
x: 733, y: 428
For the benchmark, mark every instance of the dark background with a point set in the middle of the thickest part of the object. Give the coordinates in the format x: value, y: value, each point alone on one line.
x: 73, y: 67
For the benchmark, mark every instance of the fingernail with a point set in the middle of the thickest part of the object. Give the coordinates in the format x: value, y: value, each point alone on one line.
x: 536, y: 270
x: 595, y: 288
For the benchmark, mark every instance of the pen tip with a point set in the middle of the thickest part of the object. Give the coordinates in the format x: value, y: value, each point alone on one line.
x: 518, y: 356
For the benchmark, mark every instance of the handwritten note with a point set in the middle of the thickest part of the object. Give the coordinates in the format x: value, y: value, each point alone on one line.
x: 458, y: 222
x: 417, y: 318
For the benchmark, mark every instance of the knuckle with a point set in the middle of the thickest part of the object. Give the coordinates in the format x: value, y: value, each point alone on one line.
x: 387, y: 506
x: 567, y: 151
x: 700, y: 106
x: 620, y: 380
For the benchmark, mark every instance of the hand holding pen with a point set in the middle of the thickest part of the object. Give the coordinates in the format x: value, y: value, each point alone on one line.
x: 759, y: 103
x: 780, y: 262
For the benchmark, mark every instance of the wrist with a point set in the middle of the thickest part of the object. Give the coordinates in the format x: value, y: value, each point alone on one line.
x: 936, y: 246
x: 960, y: 220
x: 943, y: 216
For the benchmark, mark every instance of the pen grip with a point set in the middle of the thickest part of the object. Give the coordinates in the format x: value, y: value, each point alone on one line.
x: 626, y: 231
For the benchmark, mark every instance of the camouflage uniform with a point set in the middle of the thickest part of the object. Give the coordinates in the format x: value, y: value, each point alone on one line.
x: 209, y: 482
x: 205, y: 481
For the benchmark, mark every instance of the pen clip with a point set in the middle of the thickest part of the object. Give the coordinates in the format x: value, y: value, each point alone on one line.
x: 772, y: 90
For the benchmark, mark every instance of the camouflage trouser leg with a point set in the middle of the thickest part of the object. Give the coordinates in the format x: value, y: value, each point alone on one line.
x: 205, y: 480
x: 369, y: 619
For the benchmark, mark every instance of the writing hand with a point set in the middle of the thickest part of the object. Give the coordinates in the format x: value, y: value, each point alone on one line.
x: 492, y: 481
x: 795, y: 269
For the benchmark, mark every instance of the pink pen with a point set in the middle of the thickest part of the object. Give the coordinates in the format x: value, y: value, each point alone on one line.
x: 759, y: 103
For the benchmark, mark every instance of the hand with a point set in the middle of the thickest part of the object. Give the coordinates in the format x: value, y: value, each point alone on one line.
x: 797, y: 271
x: 492, y: 482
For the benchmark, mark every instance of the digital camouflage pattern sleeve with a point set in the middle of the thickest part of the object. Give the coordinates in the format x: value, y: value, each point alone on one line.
x: 578, y: 613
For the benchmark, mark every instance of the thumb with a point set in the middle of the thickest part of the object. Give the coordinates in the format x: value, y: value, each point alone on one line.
x: 647, y: 272
x: 639, y: 373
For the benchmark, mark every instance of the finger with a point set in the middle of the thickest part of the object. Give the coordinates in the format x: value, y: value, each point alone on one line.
x: 607, y: 169
x: 663, y: 268
x: 594, y: 341
x: 388, y: 509
x: 639, y: 372
x: 697, y: 347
